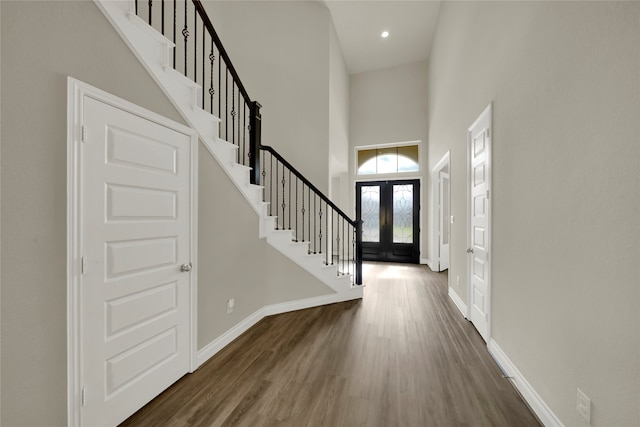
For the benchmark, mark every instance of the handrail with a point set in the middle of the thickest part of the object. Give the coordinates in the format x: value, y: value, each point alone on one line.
x: 308, y: 183
x: 223, y: 53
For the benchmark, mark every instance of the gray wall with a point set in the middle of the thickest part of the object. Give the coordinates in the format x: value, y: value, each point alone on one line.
x: 42, y: 43
x: 564, y: 79
x: 338, y: 122
x: 233, y: 262
x: 388, y: 106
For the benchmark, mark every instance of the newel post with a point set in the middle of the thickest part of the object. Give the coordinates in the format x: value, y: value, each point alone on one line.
x: 255, y: 130
x: 359, y: 251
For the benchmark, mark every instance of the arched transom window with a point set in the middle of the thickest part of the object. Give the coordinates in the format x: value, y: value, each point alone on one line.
x: 388, y: 160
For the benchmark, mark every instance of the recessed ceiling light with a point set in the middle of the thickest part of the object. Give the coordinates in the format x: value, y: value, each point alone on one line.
x: 384, y: 34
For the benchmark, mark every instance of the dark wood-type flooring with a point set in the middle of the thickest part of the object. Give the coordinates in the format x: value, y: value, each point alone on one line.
x: 402, y: 356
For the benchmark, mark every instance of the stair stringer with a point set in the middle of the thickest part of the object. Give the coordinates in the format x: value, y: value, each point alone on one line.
x: 154, y: 51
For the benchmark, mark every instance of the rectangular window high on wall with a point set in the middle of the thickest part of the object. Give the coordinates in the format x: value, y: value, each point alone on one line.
x: 372, y: 161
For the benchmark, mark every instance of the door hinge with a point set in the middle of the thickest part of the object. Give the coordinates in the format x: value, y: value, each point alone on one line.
x: 487, y: 194
x: 84, y: 133
x: 83, y: 396
x: 83, y: 266
x: 488, y: 133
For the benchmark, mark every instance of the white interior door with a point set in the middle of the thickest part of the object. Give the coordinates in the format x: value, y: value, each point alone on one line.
x: 135, y: 301
x: 479, y: 230
x: 444, y: 220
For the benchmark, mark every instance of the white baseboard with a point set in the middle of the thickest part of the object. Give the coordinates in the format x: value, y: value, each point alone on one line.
x: 533, y: 399
x: 285, y: 307
x: 425, y: 261
x: 458, y: 302
x: 225, y: 339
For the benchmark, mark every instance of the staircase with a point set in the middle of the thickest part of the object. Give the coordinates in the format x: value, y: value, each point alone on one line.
x: 294, y: 217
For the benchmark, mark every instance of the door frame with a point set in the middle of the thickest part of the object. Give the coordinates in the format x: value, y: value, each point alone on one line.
x: 486, y: 115
x: 445, y: 162
x: 76, y: 93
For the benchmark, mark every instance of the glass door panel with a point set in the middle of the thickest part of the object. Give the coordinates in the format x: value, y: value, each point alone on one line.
x: 370, y: 197
x: 402, y: 213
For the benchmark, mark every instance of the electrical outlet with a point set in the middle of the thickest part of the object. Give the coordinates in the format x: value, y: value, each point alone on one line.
x: 231, y: 303
x: 452, y: 219
x: 457, y: 280
x: 583, y: 406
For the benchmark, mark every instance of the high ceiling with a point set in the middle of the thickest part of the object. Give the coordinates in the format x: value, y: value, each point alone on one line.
x: 359, y: 24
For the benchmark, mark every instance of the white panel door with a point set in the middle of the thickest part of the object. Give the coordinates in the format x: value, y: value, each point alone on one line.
x: 444, y: 220
x: 135, y: 330
x: 478, y: 265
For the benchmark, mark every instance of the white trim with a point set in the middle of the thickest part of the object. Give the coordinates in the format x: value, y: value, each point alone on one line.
x: 483, y: 116
x: 76, y: 92
x: 427, y: 262
x: 445, y: 161
x: 226, y: 338
x: 458, y: 302
x: 529, y: 394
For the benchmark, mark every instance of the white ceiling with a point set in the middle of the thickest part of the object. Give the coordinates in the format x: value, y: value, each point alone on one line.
x: 359, y: 24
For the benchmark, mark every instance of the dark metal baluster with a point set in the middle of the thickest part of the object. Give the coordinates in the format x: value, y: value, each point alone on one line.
x: 277, y: 189
x: 338, y: 246
x: 203, y: 63
x: 333, y: 228
x: 320, y: 220
x: 162, y: 16
x: 195, y: 46
x: 271, y: 187
x: 309, y: 220
x: 136, y: 7
x: 226, y: 104
x: 211, y: 89
x: 239, y: 139
x: 326, y: 251
x: 302, y: 211
x: 244, y: 130
x: 175, y: 19
x: 297, y: 179
x: 315, y: 220
x: 150, y: 15
x: 263, y: 180
x: 185, y: 34
x: 284, y: 205
x: 233, y: 114
x: 343, y: 246
x: 353, y: 253
x: 289, y: 199
x: 219, y: 93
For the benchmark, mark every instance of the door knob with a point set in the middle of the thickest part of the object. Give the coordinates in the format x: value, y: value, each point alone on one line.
x: 469, y: 250
x: 185, y: 268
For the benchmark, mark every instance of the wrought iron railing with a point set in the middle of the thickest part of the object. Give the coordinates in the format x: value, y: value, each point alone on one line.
x: 313, y: 218
x: 298, y: 204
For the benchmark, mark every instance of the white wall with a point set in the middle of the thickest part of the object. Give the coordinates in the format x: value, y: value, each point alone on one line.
x: 288, y: 75
x: 564, y: 79
x: 389, y: 106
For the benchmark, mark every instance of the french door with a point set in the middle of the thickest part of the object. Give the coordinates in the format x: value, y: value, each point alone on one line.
x: 390, y: 211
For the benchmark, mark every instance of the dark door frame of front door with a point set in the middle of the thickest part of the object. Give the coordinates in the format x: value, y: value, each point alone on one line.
x: 385, y: 249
